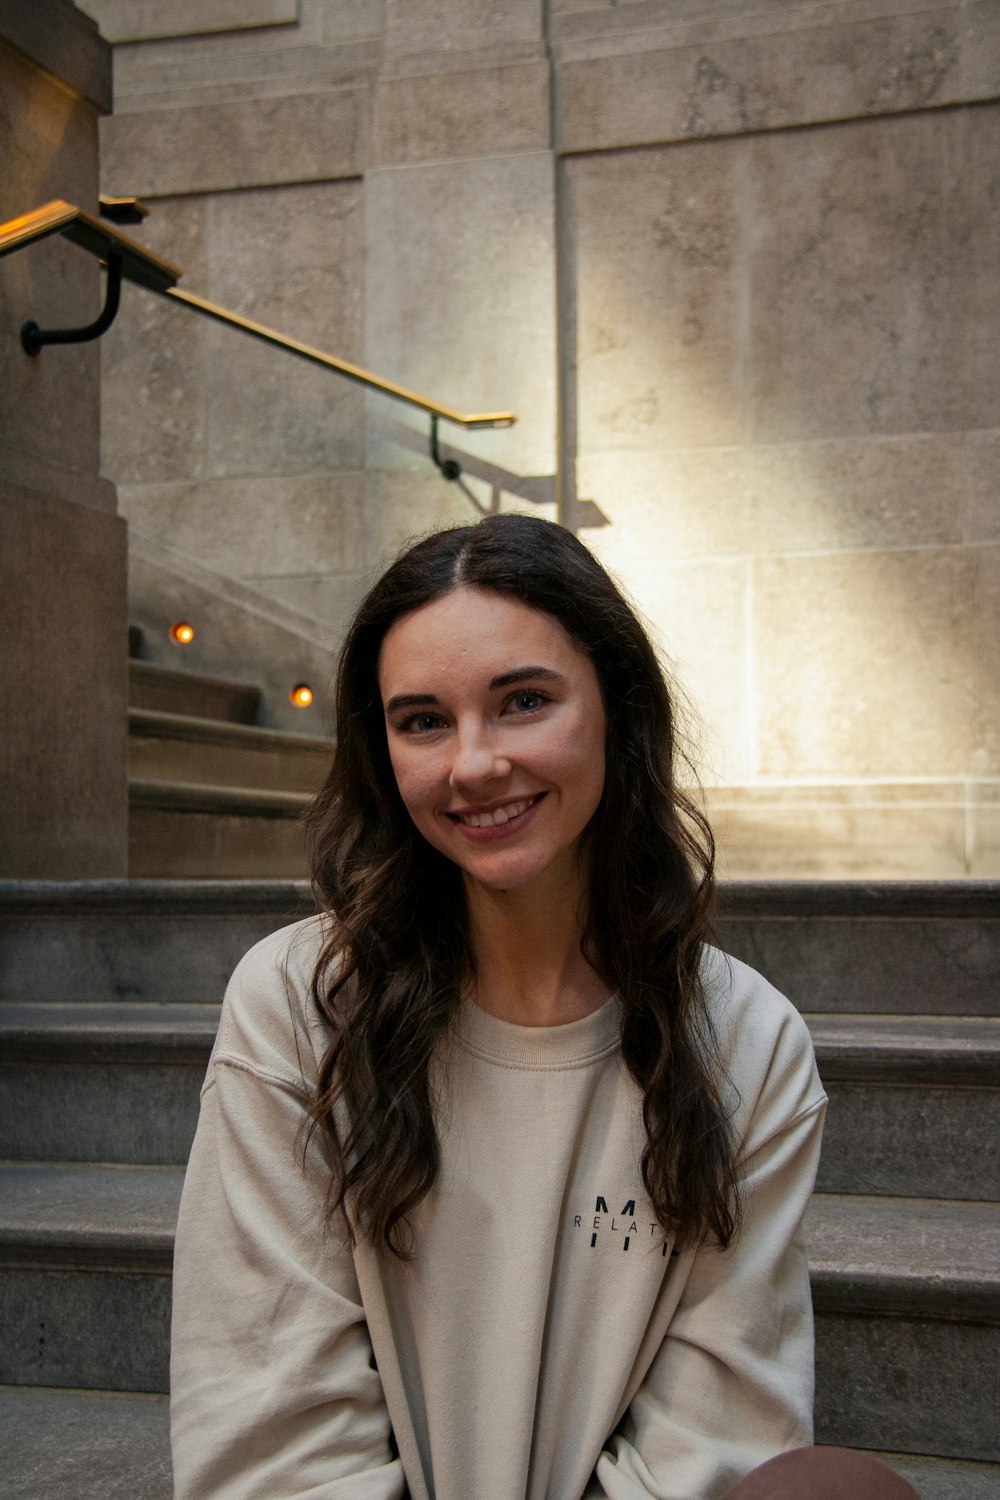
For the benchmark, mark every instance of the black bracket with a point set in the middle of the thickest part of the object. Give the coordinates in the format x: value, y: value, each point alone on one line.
x: 34, y: 339
x: 450, y: 467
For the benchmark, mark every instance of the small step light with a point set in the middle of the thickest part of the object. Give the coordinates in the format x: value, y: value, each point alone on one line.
x: 181, y: 633
x: 301, y: 695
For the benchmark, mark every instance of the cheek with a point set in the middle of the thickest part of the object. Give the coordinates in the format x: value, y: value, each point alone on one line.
x: 414, y: 780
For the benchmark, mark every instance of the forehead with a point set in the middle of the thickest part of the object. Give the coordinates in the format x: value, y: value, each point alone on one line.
x: 473, y: 633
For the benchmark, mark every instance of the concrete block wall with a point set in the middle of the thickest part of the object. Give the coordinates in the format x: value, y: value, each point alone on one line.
x: 736, y: 268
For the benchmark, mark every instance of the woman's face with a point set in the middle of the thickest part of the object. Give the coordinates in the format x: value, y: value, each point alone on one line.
x: 495, y: 725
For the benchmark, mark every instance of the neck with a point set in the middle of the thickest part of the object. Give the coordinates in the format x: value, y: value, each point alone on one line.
x: 530, y: 968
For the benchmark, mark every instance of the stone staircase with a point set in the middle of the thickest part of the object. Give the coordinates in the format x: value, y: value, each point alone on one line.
x: 213, y: 794
x: 109, y: 1002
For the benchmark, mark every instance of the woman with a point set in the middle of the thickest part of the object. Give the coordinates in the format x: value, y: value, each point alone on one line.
x: 498, y: 1182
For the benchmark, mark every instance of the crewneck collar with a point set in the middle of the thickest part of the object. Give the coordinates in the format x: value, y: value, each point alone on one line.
x: 547, y: 1047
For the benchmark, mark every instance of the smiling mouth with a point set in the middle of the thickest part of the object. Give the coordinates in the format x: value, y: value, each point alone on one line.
x: 496, y: 817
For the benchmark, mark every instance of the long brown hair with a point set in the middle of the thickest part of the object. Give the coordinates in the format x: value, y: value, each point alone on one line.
x: 392, y: 971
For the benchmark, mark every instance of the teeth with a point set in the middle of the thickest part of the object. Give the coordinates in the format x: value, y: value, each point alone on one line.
x: 499, y: 815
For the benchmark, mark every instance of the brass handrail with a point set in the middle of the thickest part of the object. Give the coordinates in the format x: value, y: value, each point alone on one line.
x: 157, y: 275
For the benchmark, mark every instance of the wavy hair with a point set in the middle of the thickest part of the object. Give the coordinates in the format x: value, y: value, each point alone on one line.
x: 398, y: 958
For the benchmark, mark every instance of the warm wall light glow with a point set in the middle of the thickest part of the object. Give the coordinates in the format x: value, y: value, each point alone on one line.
x: 181, y: 633
x: 301, y: 695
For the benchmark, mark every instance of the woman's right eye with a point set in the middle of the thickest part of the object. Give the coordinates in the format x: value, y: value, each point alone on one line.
x: 424, y: 723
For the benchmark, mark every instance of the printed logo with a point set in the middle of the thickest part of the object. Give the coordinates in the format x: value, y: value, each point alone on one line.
x: 624, y: 1227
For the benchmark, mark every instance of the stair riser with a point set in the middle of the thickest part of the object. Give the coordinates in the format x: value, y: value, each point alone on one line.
x: 927, y: 966
x: 226, y: 765
x: 911, y: 1142
x: 127, y: 957
x: 884, y: 1383
x: 914, y: 1387
x: 105, y: 1112
x: 168, y: 845
x: 91, y: 1330
x: 199, y: 698
x: 900, y: 1142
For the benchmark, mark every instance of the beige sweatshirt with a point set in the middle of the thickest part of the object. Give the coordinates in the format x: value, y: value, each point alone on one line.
x: 545, y: 1344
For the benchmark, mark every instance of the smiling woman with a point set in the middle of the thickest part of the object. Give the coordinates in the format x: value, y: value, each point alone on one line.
x: 499, y: 1178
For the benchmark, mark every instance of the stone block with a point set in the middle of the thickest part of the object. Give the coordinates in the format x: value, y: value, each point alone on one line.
x: 62, y: 753
x: 64, y: 43
x: 697, y: 614
x: 344, y: 20
x: 868, y: 273
x: 460, y: 298
x: 444, y: 25
x: 862, y: 832
x: 873, y: 664
x: 291, y: 259
x: 258, y: 524
x: 832, y: 495
x: 314, y: 137
x: 129, y: 21
x: 984, y: 831
x: 658, y: 242
x: 154, y: 362
x: 483, y: 111
x: 643, y: 75
x: 982, y: 487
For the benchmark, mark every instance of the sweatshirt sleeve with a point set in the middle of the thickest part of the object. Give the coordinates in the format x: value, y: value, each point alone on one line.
x: 731, y: 1383
x: 275, y: 1394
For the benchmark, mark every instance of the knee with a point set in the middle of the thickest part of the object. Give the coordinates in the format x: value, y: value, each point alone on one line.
x: 823, y: 1474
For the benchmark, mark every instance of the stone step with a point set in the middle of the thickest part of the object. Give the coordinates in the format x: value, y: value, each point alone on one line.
x: 85, y: 1268
x: 907, y: 1299
x: 136, y: 939
x: 99, y: 1445
x: 81, y: 937
x: 175, y: 691
x: 185, y: 830
x: 902, y: 947
x: 907, y: 1296
x: 91, y: 1082
x: 914, y: 1104
x: 169, y: 747
x: 914, y: 1101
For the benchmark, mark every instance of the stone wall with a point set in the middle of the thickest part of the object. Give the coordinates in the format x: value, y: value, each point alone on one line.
x: 735, y: 265
x: 62, y: 546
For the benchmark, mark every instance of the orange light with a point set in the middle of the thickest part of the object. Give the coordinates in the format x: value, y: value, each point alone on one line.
x: 301, y: 695
x: 181, y: 633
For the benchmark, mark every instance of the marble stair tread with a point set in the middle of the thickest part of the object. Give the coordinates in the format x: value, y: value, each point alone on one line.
x: 61, y: 1215
x: 908, y: 1049
x: 197, y: 797
x: 92, y: 1031
x: 925, y: 1257
x: 159, y: 723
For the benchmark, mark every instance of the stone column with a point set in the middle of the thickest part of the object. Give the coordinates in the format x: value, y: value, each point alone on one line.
x: 63, y: 616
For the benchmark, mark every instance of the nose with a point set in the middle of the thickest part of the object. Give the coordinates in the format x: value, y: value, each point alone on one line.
x: 478, y: 758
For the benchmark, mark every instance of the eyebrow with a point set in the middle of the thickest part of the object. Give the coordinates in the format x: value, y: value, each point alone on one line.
x: 505, y: 679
